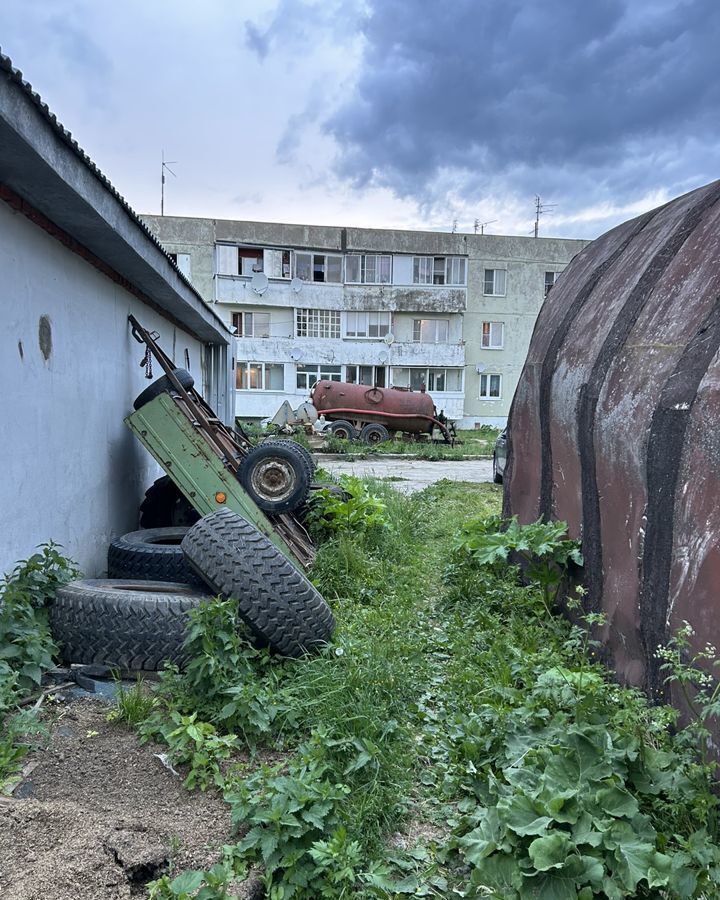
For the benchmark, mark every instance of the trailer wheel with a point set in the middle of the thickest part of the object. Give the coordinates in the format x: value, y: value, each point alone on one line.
x: 163, y: 385
x: 301, y: 451
x: 276, y: 601
x: 342, y: 429
x: 374, y: 433
x: 127, y: 623
x: 276, y: 477
x: 154, y: 554
x: 166, y: 506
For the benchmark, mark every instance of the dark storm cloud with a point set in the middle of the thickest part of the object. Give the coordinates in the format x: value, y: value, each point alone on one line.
x: 616, y: 90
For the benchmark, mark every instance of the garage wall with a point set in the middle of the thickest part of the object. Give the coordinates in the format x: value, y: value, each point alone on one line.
x: 71, y: 471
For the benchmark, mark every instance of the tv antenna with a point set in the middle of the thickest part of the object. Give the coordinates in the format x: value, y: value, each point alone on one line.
x: 481, y: 225
x: 455, y: 226
x: 540, y: 209
x: 165, y: 166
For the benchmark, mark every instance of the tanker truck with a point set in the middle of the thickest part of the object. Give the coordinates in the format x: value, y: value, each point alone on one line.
x: 370, y: 414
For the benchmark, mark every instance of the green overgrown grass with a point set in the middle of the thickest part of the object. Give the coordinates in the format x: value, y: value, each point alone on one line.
x: 453, y: 703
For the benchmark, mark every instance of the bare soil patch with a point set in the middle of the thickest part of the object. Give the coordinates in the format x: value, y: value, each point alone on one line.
x: 99, y: 816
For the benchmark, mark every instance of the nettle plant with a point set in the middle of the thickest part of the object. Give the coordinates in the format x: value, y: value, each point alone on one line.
x: 352, y: 509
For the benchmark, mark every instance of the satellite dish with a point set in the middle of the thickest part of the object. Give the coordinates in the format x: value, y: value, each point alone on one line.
x: 296, y: 355
x: 480, y: 367
x: 389, y: 338
x: 259, y: 282
x: 384, y: 357
x: 296, y: 285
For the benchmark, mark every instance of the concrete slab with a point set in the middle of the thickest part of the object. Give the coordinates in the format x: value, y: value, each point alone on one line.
x: 411, y: 474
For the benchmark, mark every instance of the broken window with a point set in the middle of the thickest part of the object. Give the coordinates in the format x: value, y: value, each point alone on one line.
x: 367, y: 324
x: 494, y: 282
x: 257, y: 376
x: 251, y: 324
x: 250, y: 261
x: 318, y: 323
x: 493, y: 335
x: 276, y: 263
x: 490, y: 387
x: 182, y: 261
x: 431, y: 331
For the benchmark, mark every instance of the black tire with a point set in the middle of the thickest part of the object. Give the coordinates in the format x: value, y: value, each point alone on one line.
x: 165, y: 506
x: 163, y: 385
x: 130, y: 624
x: 497, y: 478
x: 153, y: 554
x: 275, y: 600
x: 276, y: 477
x: 342, y: 429
x: 374, y: 433
x: 307, y: 456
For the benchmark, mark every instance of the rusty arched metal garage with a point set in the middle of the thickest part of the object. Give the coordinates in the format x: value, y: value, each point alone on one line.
x: 615, y: 427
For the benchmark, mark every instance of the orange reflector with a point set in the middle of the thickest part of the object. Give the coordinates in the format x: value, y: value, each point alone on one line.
x: 220, y: 497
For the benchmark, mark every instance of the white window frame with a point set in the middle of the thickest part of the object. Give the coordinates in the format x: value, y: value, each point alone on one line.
x: 426, y: 379
x: 363, y: 324
x: 263, y: 370
x: 488, y: 337
x: 555, y: 275
x: 317, y: 323
x: 418, y: 330
x: 314, y: 372
x: 370, y: 274
x: 249, y: 325
x: 423, y: 269
x: 456, y: 271
x: 374, y: 382
x: 495, y: 292
x: 485, y: 378
x: 452, y: 270
x: 318, y: 256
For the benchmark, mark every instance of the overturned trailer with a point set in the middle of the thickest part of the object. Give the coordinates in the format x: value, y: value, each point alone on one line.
x: 615, y: 428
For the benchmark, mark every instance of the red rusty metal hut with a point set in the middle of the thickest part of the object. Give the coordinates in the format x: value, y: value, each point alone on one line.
x: 615, y: 427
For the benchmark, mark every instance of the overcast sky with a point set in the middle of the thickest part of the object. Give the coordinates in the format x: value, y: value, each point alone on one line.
x: 385, y: 113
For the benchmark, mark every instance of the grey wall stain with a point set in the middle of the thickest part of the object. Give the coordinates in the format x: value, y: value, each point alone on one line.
x: 45, y: 336
x: 21, y: 351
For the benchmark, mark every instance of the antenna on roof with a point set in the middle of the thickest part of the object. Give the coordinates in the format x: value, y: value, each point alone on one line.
x: 481, y: 225
x: 165, y: 165
x: 541, y: 208
x: 455, y: 226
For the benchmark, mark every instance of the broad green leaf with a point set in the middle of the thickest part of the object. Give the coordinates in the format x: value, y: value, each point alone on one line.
x: 550, y: 852
x: 522, y: 817
x: 617, y: 802
x: 188, y: 882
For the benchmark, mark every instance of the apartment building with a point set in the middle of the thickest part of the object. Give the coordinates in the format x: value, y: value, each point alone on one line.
x: 450, y: 313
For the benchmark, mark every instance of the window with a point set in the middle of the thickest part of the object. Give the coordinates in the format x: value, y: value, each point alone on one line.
x: 256, y: 376
x: 439, y: 270
x: 319, y: 267
x: 247, y: 261
x: 319, y: 323
x: 307, y: 375
x: 367, y: 324
x: 251, y: 324
x: 438, y: 380
x: 374, y: 376
x: 182, y: 261
x: 493, y: 334
x: 431, y: 331
x: 550, y: 279
x: 368, y: 269
x: 490, y: 387
x: 494, y: 283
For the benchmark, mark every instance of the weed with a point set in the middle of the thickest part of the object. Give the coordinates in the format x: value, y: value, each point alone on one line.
x: 132, y: 705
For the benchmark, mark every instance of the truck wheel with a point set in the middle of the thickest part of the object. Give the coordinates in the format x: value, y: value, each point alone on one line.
x: 342, y: 429
x: 126, y: 623
x: 165, y: 506
x: 162, y: 386
x: 154, y: 554
x: 275, y: 600
x: 374, y: 433
x: 276, y: 477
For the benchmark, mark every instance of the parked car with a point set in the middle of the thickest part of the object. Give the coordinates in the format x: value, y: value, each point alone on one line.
x: 500, y: 457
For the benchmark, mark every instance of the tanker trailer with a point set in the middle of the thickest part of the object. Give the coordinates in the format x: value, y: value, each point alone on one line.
x: 374, y: 413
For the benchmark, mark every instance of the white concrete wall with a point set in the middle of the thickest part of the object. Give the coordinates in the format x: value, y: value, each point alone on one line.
x: 72, y: 472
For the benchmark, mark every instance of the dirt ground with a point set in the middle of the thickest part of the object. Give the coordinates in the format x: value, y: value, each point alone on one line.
x: 407, y: 474
x: 99, y: 816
